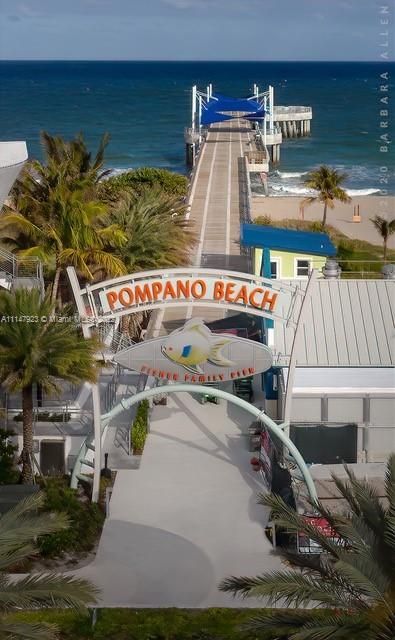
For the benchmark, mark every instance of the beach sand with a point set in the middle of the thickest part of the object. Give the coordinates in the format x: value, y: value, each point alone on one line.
x: 340, y: 217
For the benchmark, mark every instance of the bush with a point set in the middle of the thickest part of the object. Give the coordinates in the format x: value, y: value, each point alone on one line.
x: 139, y: 427
x: 9, y: 473
x: 264, y: 221
x: 140, y: 179
x: 139, y: 434
x: 86, y: 520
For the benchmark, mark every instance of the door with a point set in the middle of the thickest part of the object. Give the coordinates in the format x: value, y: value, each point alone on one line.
x: 326, y: 444
x: 52, y: 458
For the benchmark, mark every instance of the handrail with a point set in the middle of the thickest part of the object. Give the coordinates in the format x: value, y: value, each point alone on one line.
x: 78, y: 460
x: 249, y: 193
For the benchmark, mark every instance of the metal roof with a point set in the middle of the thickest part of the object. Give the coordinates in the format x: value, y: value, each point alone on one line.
x: 255, y: 235
x: 348, y: 323
x: 379, y: 381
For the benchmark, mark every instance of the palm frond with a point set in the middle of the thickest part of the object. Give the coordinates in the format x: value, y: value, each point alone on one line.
x: 48, y: 591
x: 14, y: 629
x: 290, y: 588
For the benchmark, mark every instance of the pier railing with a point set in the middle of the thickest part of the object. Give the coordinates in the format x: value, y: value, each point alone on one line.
x: 291, y: 109
x: 191, y: 136
x: 259, y: 156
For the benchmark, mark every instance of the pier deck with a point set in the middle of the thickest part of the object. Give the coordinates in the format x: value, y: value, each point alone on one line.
x: 217, y: 205
x: 215, y: 195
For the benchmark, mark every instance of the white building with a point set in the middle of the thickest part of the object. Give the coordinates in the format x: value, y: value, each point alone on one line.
x: 13, y: 156
x: 343, y: 400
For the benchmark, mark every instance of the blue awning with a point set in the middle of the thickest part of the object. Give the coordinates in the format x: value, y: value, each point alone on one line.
x: 219, y: 106
x: 262, y: 236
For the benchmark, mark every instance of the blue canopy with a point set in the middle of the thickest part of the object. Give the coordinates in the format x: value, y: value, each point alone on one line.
x: 218, y: 106
x: 280, y: 239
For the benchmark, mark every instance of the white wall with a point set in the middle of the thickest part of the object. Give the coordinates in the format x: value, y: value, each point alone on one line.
x: 71, y: 447
x: 376, y: 436
x: 13, y: 155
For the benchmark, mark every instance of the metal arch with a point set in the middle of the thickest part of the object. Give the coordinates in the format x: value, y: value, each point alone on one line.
x: 257, y: 413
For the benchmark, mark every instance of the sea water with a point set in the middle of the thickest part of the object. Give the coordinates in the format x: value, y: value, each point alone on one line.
x: 146, y: 105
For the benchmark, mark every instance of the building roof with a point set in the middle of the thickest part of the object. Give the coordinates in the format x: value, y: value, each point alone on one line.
x: 379, y: 381
x: 12, y: 157
x: 348, y: 323
x: 262, y: 236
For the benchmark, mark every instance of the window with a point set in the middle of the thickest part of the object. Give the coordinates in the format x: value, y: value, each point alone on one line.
x: 275, y: 268
x: 302, y: 268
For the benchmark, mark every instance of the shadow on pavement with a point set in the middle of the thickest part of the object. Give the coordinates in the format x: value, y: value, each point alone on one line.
x: 141, y: 565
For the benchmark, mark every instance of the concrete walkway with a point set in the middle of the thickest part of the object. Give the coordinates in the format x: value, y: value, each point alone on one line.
x: 188, y: 517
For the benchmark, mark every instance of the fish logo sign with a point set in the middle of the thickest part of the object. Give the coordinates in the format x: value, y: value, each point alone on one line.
x: 193, y: 345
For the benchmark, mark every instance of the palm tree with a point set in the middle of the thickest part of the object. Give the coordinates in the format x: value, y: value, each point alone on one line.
x: 18, y: 528
x: 350, y: 587
x: 158, y: 234
x: 385, y: 228
x: 327, y: 182
x: 65, y: 229
x: 55, y: 213
x: 67, y: 163
x: 38, y: 349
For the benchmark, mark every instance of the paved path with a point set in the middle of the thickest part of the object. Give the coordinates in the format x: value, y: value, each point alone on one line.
x: 188, y: 517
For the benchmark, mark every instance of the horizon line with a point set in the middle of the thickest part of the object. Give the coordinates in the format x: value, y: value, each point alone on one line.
x: 186, y: 60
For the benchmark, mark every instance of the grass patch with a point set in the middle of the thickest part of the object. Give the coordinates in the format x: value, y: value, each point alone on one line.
x: 150, y: 624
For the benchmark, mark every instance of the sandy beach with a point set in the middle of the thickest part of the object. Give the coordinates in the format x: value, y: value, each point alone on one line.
x: 340, y: 217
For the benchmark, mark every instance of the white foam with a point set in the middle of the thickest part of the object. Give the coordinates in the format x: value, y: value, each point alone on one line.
x: 362, y: 192
x: 292, y: 190
x: 284, y: 174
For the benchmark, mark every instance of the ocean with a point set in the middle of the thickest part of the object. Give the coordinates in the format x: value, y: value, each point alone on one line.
x: 146, y: 105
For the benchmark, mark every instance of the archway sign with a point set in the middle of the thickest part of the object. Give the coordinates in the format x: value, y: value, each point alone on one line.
x: 213, y: 288
x: 274, y: 428
x: 191, y: 354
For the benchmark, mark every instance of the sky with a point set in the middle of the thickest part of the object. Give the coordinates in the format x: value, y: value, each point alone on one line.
x: 191, y: 29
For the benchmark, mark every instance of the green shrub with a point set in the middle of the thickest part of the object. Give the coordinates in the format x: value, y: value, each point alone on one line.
x: 137, y: 180
x: 86, y: 520
x: 139, y: 428
x: 264, y: 221
x: 139, y: 434
x: 9, y: 473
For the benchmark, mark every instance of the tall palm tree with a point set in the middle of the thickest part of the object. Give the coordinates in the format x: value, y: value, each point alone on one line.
x: 18, y: 528
x: 350, y: 587
x: 327, y: 182
x: 65, y: 229
x: 38, y: 349
x: 158, y: 234
x: 385, y: 228
x: 66, y: 163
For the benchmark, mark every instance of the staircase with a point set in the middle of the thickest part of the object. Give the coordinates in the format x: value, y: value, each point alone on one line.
x: 84, y: 462
x: 16, y: 272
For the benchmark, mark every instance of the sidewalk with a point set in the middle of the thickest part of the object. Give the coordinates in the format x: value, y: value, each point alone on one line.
x: 188, y: 517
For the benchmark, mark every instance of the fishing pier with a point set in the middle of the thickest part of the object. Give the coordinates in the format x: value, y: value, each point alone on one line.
x: 227, y: 141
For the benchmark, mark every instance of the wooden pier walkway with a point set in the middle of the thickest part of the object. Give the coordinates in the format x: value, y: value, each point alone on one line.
x: 216, y: 197
x: 218, y: 203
